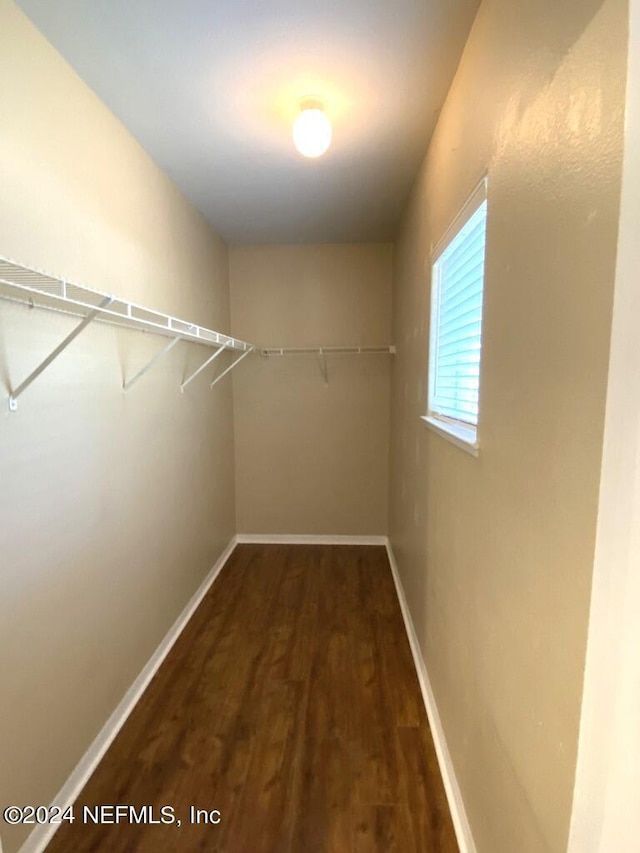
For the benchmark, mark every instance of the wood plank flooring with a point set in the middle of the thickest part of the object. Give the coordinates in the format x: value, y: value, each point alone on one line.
x: 290, y: 704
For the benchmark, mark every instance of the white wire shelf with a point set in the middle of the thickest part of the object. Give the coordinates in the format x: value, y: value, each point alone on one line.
x: 323, y: 352
x: 38, y: 289
x: 385, y: 350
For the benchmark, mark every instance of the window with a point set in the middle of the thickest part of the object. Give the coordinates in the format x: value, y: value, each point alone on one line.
x: 457, y: 284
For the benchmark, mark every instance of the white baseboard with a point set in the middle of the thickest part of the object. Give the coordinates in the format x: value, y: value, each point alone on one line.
x: 452, y: 790
x: 69, y: 792
x: 308, y: 539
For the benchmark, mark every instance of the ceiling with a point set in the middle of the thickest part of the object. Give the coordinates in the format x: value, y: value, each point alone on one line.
x: 210, y: 88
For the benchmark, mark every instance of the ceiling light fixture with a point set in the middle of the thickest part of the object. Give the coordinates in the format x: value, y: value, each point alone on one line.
x: 312, y: 129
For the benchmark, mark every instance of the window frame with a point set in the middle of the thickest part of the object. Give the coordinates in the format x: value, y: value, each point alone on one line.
x: 463, y: 434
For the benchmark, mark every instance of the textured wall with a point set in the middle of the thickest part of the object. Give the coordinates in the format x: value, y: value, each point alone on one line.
x: 310, y: 457
x: 496, y: 553
x: 606, y: 800
x: 113, y: 507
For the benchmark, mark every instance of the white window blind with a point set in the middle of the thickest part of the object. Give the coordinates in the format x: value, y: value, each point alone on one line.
x: 456, y: 317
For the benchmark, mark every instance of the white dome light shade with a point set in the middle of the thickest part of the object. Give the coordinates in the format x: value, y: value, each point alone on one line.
x: 312, y: 132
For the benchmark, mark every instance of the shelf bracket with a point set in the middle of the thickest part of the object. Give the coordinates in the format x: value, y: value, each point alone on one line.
x: 13, y: 396
x: 155, y: 359
x: 231, y: 366
x: 218, y: 352
x: 322, y: 361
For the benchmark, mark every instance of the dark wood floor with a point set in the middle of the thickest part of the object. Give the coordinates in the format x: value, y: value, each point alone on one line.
x: 291, y: 705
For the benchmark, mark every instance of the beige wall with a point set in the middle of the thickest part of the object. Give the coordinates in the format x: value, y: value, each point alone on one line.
x: 310, y: 457
x: 606, y: 800
x: 113, y: 507
x: 496, y: 553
